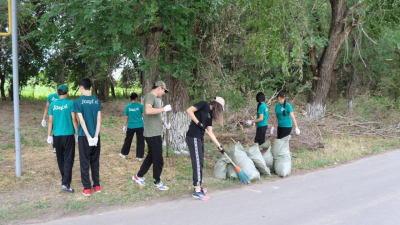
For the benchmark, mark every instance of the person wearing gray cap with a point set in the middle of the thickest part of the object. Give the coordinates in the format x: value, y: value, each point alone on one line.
x: 202, y: 115
x: 152, y: 135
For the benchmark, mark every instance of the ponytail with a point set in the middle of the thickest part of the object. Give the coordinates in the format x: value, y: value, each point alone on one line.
x: 284, y: 108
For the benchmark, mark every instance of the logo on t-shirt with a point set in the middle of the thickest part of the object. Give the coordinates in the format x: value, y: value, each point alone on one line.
x: 92, y: 101
x: 53, y: 99
x: 56, y: 107
x: 133, y: 110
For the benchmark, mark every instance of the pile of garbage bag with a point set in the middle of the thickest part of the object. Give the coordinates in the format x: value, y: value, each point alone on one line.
x: 276, y: 159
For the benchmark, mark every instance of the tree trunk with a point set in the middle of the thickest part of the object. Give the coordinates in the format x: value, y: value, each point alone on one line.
x: 178, y: 97
x: 352, y: 87
x: 337, y: 35
x: 113, y: 91
x: 152, y: 52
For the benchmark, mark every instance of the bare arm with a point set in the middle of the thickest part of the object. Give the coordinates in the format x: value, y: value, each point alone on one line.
x: 149, y: 110
x: 190, y: 111
x: 96, y: 135
x: 126, y: 120
x: 293, y: 119
x: 259, y: 119
x: 83, y: 125
x: 46, y: 110
x: 50, y: 125
x: 275, y: 121
x: 75, y: 122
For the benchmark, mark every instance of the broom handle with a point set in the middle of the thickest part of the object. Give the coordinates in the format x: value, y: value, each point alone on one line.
x: 219, y: 146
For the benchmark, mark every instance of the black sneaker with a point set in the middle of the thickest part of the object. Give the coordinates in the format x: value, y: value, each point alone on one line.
x: 202, y: 190
x: 67, y: 189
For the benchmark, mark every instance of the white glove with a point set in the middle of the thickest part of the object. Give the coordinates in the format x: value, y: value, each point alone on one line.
x: 272, y: 130
x: 249, y: 122
x: 297, y: 130
x: 44, y: 123
x: 167, y: 126
x: 93, y: 141
x: 167, y: 108
x: 50, y: 139
x: 124, y: 129
x: 76, y: 138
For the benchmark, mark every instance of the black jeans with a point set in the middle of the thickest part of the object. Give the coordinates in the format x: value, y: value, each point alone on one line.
x: 139, y: 142
x: 260, y: 135
x: 154, y: 156
x: 283, y: 132
x: 65, y: 152
x: 89, y: 157
x: 196, y: 149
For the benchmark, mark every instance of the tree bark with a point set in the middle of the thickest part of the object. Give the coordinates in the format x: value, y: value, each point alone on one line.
x: 179, y: 99
x: 337, y: 35
x: 152, y: 52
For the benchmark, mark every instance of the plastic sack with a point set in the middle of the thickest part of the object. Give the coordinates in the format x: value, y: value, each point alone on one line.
x: 241, y: 159
x: 282, y: 158
x: 231, y: 172
x: 255, y: 155
x: 269, y: 159
x: 220, y: 169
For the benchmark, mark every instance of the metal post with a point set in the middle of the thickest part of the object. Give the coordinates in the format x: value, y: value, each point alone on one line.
x: 14, y: 35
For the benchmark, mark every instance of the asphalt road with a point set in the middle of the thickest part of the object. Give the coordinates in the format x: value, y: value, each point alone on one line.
x: 363, y: 192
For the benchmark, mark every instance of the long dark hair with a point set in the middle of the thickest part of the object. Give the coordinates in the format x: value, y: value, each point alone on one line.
x: 260, y: 98
x: 217, y: 112
x: 282, y: 95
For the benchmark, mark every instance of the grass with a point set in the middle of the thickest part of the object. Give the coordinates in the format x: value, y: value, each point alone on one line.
x: 37, y: 194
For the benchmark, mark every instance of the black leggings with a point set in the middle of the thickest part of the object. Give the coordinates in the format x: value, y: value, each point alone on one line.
x: 283, y: 132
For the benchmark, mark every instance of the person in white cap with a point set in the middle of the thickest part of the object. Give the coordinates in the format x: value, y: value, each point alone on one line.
x: 202, y: 115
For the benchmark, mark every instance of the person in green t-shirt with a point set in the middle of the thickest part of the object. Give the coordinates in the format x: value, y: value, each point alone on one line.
x: 63, y: 125
x: 284, y: 117
x: 262, y: 119
x: 51, y: 98
x: 134, y: 123
x: 152, y: 135
x: 88, y: 110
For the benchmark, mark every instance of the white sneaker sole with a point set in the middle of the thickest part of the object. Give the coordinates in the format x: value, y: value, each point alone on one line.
x: 138, y: 181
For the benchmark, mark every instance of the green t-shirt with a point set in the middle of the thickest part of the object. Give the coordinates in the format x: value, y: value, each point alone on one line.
x: 284, y: 121
x: 52, y: 97
x: 89, y: 106
x: 134, y: 113
x: 62, y: 120
x: 153, y: 122
x: 263, y: 109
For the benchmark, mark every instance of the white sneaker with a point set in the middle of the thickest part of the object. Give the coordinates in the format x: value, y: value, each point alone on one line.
x: 139, y: 180
x: 139, y: 159
x: 122, y: 156
x: 161, y: 186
